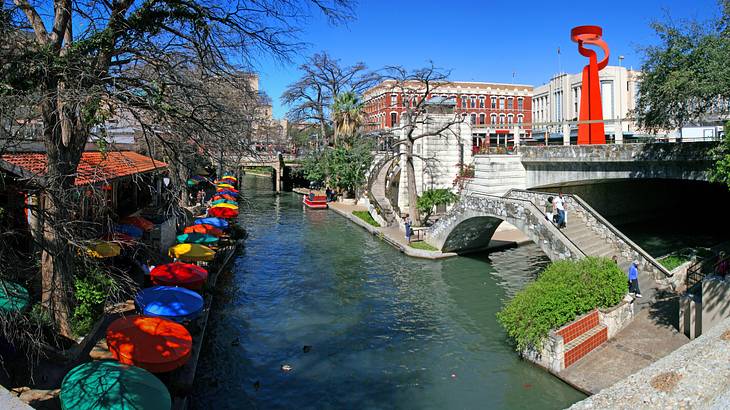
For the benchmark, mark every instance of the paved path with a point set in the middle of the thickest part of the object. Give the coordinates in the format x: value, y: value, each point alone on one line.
x: 649, y: 337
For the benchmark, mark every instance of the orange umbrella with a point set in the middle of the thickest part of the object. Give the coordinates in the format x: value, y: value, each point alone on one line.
x: 226, y: 187
x: 152, y: 343
x: 224, y: 196
x: 222, y: 212
x: 141, y: 223
x: 206, y: 229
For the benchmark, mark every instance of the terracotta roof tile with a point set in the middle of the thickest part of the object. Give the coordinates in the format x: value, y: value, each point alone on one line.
x: 94, y: 166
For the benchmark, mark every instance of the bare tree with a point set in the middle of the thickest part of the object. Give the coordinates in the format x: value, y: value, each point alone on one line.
x: 311, y: 97
x: 86, y: 59
x: 417, y: 88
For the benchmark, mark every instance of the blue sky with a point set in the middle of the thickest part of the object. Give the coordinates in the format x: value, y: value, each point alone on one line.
x: 480, y: 40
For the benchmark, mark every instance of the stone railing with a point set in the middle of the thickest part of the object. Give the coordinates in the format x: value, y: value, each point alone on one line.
x: 523, y: 214
x: 658, y: 152
x: 628, y: 249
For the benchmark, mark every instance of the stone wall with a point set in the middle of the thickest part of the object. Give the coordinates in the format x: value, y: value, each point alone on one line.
x: 551, y: 355
x: 497, y: 174
x: 617, y: 318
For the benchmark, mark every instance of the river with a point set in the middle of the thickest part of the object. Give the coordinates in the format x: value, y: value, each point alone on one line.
x: 381, y: 330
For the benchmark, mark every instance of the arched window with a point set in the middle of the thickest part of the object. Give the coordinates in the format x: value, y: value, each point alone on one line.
x: 473, y: 102
x: 520, y: 118
x: 481, y: 118
x: 510, y: 103
x: 501, y: 119
x: 510, y: 119
x: 494, y: 118
x: 473, y: 119
x: 494, y: 102
x: 393, y: 119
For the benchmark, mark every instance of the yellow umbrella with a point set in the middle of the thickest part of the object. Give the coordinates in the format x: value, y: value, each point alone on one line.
x: 224, y: 185
x: 191, y: 252
x: 103, y: 249
x: 225, y: 205
x: 229, y: 177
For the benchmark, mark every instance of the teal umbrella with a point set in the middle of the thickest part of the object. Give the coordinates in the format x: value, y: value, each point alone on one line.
x: 224, y: 201
x: 196, y: 237
x: 111, y: 385
x: 13, y: 297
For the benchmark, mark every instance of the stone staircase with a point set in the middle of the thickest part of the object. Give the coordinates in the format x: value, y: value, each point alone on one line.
x: 377, y: 190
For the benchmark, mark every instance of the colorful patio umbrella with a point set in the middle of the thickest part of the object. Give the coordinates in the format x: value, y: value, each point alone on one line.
x: 196, y: 237
x: 229, y: 206
x: 224, y: 201
x: 226, y: 186
x: 229, y: 181
x: 103, y: 249
x: 223, y: 212
x: 224, y: 196
x: 186, y: 275
x: 152, y: 343
x: 138, y: 221
x: 13, y: 297
x: 128, y: 229
x: 217, y: 222
x: 191, y: 252
x: 111, y: 385
x: 229, y: 177
x: 169, y: 302
x: 204, y: 229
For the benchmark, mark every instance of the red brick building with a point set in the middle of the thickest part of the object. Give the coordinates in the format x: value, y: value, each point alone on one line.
x: 493, y: 110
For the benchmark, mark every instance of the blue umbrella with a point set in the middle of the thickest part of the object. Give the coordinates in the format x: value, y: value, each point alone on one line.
x: 169, y: 302
x: 127, y: 229
x: 216, y: 222
x: 225, y: 191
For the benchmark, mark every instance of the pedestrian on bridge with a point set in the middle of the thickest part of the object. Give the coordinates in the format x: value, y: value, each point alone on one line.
x: 560, y: 207
x: 549, y: 208
x: 634, y: 279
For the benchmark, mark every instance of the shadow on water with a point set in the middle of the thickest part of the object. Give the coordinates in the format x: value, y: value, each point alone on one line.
x: 385, y: 331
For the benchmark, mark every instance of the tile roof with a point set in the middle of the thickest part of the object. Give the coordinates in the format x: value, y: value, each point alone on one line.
x: 94, y: 166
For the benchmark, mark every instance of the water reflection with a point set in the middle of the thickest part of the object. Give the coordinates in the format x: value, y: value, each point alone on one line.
x: 385, y: 331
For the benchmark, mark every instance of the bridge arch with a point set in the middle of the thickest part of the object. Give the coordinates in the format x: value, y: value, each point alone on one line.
x: 470, y: 225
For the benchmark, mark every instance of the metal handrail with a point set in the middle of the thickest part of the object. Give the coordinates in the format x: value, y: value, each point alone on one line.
x: 536, y: 211
x: 608, y: 224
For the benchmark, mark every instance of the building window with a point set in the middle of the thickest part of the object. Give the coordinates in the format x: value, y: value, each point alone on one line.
x: 393, y: 100
x: 481, y: 118
x: 501, y: 119
x: 520, y: 118
x: 493, y: 118
x: 473, y: 102
x: 501, y: 103
x: 510, y: 119
x: 494, y: 102
x: 510, y: 104
x: 393, y: 119
x: 473, y: 119
x: 481, y: 102
x: 463, y: 101
x: 520, y: 104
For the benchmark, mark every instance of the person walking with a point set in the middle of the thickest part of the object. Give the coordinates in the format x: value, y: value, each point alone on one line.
x: 407, y: 222
x: 549, y: 209
x: 634, y: 279
x: 560, y: 207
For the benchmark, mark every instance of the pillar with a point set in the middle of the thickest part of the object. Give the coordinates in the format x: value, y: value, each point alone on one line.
x: 566, y: 134
x: 516, y: 131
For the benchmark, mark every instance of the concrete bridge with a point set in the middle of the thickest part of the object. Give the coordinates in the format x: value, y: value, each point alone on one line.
x: 279, y: 163
x: 560, y: 165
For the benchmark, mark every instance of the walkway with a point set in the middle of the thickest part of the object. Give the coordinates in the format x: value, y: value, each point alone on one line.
x: 649, y: 337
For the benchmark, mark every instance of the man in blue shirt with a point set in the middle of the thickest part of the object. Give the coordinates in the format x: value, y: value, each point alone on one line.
x: 634, y: 279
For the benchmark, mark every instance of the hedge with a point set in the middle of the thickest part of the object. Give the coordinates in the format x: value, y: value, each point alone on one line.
x: 565, y: 290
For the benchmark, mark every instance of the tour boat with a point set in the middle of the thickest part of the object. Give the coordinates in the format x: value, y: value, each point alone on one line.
x: 317, y: 201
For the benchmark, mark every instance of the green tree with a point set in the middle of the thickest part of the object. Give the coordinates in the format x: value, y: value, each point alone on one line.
x: 346, y: 115
x: 347, y: 164
x: 432, y: 198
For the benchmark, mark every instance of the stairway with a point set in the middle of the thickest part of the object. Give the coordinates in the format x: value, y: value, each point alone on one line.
x: 378, y: 191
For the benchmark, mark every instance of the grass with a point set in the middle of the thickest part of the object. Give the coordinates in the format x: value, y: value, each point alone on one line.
x: 422, y: 245
x: 365, y: 216
x: 673, y: 261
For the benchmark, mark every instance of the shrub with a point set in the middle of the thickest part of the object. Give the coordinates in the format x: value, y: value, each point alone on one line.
x: 563, y: 291
x: 365, y: 216
x: 432, y: 198
x: 91, y: 292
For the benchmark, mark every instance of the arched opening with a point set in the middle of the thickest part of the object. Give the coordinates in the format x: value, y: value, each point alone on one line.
x: 471, y: 235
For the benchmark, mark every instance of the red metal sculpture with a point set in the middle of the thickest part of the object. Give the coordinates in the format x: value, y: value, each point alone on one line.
x: 590, y: 100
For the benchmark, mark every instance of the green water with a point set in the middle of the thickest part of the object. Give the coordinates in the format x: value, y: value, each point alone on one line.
x: 386, y: 331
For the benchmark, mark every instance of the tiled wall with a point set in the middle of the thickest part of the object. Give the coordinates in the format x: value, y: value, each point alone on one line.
x: 578, y: 327
x: 582, y: 349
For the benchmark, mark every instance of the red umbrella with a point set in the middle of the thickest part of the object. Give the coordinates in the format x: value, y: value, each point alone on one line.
x: 226, y: 189
x: 152, y: 343
x: 141, y: 223
x: 224, y: 196
x: 220, y: 212
x: 205, y: 229
x: 181, y: 274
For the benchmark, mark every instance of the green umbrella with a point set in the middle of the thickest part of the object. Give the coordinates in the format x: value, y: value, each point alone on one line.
x: 196, y: 237
x: 13, y: 297
x: 112, y: 385
x: 224, y: 201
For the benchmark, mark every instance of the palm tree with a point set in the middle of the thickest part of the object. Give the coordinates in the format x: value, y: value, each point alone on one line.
x: 346, y: 114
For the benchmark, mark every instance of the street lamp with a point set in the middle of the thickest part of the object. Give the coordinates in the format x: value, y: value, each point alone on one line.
x: 619, y: 137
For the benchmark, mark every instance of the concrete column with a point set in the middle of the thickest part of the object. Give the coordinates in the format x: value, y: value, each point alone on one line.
x: 619, y: 135
x: 566, y: 134
x: 516, y: 131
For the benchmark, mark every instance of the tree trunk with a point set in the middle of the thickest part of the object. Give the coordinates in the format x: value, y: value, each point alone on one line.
x: 411, y: 177
x: 56, y: 268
